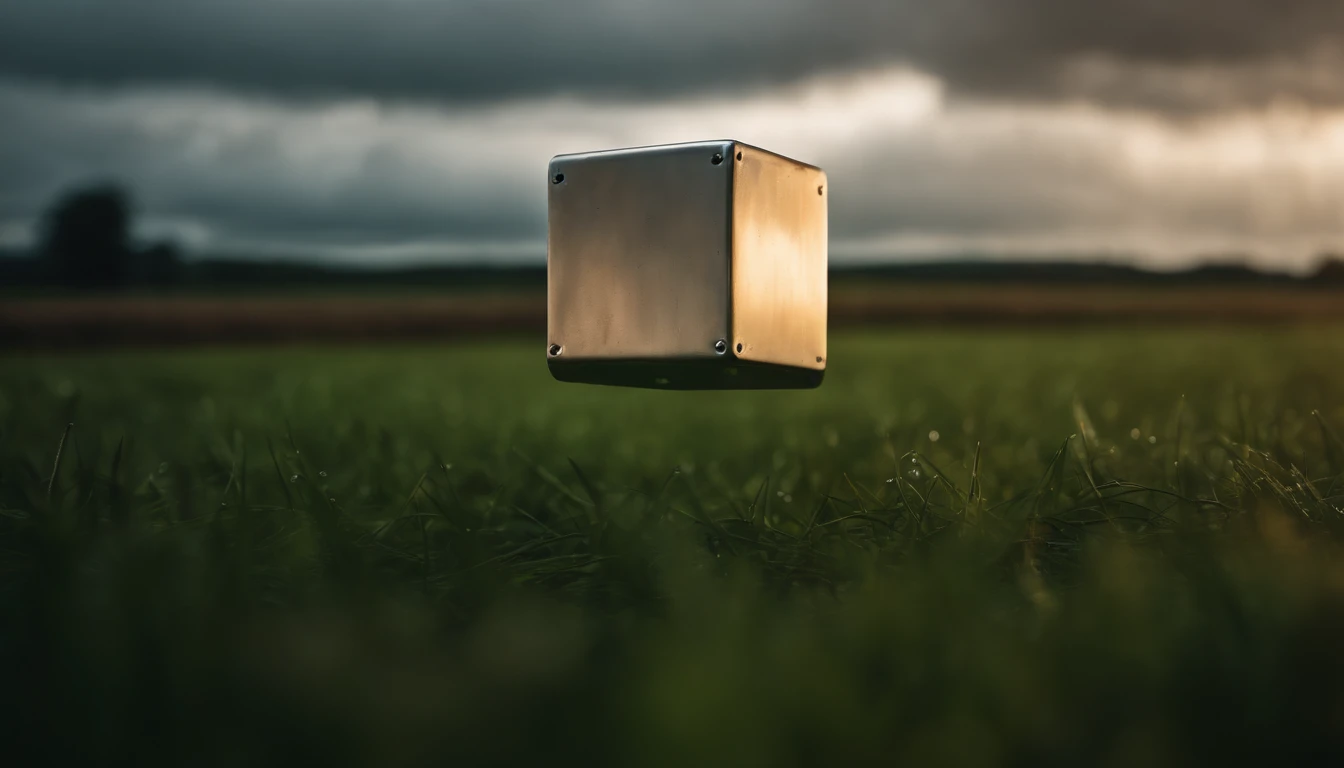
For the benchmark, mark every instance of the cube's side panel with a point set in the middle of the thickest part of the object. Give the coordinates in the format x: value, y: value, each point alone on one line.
x: 779, y: 260
x: 637, y: 253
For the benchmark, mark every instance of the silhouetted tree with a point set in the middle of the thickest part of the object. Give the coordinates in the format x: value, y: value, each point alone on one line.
x: 86, y: 239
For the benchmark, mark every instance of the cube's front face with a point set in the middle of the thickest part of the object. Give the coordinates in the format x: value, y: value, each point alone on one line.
x: 640, y: 271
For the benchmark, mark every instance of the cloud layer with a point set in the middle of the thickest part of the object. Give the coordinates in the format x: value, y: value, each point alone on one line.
x: 912, y: 173
x: 1220, y: 53
x: 420, y: 129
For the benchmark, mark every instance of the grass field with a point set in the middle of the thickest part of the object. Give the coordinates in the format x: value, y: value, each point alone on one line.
x: 1116, y: 547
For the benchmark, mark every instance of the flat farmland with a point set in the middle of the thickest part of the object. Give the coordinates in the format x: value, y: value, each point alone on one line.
x: 451, y: 314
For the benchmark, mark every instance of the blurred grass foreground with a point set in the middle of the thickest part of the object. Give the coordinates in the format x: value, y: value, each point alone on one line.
x: 968, y: 547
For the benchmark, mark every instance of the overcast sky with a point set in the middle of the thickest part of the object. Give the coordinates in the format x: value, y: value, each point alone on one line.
x: 1164, y: 132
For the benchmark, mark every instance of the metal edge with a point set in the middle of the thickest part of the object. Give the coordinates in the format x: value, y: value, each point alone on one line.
x: 732, y: 246
x: 604, y: 153
x: 694, y: 374
x: 785, y: 158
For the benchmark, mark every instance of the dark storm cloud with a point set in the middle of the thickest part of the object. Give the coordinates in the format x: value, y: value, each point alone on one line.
x: 293, y: 177
x: 413, y: 128
x: 1169, y: 55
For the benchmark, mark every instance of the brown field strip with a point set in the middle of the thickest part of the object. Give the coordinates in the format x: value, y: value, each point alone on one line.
x: 111, y: 321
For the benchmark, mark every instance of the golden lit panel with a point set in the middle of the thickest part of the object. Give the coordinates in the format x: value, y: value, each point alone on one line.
x: 779, y: 260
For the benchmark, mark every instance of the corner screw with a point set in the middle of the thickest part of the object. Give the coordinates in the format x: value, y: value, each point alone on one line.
x: 554, y: 350
x: 716, y: 159
x: 557, y: 178
x: 720, y: 347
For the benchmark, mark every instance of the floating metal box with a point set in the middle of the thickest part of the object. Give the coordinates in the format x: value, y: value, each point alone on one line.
x: 686, y: 266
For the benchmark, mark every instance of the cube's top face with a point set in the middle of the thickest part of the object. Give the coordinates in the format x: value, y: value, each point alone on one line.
x: 638, y: 252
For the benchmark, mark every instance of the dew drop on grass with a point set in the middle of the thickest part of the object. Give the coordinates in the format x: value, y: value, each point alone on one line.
x: 788, y: 498
x: 1135, y: 434
x: 1152, y: 440
x: 933, y: 435
x: 891, y: 479
x: 322, y: 473
x: 293, y: 478
x: 914, y: 473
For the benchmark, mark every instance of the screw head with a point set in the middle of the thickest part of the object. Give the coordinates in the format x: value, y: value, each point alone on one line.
x: 557, y: 178
x: 554, y: 350
x: 739, y: 346
x: 716, y: 159
x: 720, y: 347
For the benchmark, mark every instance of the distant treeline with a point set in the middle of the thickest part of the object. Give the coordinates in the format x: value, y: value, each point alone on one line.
x: 86, y: 245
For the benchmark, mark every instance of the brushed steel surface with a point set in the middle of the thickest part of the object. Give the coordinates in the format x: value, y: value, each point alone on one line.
x: 686, y: 266
x: 637, y: 252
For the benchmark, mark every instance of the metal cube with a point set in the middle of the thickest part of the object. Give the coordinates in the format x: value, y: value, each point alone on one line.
x: 686, y: 266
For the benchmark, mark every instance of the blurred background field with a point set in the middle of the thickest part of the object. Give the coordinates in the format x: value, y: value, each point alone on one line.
x: 969, y: 546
